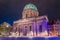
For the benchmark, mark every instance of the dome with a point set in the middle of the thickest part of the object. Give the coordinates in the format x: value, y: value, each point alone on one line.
x: 30, y: 6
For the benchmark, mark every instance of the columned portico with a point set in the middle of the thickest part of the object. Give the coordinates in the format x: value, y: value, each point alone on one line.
x: 31, y: 23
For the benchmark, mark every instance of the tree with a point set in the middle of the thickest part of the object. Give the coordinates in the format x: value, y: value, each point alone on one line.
x: 5, y: 28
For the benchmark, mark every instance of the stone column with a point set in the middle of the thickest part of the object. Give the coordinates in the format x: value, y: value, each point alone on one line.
x: 34, y: 28
x: 44, y: 28
x: 19, y: 29
x: 38, y: 33
x: 44, y: 25
x: 14, y: 28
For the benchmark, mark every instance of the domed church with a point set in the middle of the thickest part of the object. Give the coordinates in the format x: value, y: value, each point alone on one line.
x: 31, y: 23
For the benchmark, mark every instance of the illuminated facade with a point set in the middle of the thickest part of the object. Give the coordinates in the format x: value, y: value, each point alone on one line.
x: 31, y: 23
x: 54, y: 29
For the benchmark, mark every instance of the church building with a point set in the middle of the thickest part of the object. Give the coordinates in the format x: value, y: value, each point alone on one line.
x: 31, y: 23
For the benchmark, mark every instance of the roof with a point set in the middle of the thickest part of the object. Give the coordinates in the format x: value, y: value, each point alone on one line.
x: 30, y: 6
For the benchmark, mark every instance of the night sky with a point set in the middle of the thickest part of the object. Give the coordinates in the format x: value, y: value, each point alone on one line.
x: 11, y: 10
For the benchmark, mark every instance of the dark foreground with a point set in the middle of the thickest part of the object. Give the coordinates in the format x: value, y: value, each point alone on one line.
x: 27, y: 38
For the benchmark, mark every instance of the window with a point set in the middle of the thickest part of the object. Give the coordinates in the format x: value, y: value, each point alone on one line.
x: 30, y: 28
x: 26, y: 15
x: 25, y: 26
x: 25, y: 33
x: 40, y: 28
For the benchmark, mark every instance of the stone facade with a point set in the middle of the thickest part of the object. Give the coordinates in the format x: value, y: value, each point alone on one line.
x: 31, y: 23
x: 54, y: 30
